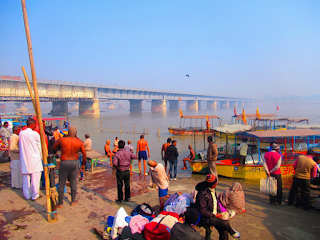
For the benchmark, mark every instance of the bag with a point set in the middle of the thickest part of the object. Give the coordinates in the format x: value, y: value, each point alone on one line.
x: 143, y: 209
x: 268, y: 186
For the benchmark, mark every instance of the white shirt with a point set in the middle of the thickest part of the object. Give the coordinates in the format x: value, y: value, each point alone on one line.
x: 30, y: 151
x: 5, y: 132
x: 128, y: 148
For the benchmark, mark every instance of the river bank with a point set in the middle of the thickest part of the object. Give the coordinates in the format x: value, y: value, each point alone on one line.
x: 25, y: 219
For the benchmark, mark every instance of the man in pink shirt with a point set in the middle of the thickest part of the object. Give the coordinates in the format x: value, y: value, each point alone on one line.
x: 272, y: 166
x: 305, y: 168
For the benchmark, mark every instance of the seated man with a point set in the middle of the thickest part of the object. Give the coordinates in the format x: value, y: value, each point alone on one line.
x: 189, y: 158
x: 187, y: 229
x: 108, y: 151
x: 206, y: 203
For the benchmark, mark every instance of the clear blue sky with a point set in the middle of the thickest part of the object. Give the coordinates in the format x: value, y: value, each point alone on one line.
x: 229, y: 48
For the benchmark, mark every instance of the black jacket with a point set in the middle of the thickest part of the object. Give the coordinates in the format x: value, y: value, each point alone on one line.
x: 204, y: 202
x: 172, y: 153
x: 183, y: 232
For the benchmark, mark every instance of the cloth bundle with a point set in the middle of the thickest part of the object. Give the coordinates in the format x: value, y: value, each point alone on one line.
x: 233, y: 198
x: 179, y: 205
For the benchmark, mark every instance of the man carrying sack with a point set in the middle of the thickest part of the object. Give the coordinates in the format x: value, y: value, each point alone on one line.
x: 272, y: 163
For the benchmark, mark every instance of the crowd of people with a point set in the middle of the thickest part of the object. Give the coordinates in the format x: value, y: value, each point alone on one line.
x: 27, y: 166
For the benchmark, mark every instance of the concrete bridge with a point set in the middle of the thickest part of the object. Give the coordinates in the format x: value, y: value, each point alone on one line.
x: 14, y: 88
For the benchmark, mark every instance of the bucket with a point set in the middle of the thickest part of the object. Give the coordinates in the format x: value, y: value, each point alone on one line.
x: 65, y: 188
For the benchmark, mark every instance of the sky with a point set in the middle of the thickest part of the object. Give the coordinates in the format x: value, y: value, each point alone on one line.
x: 228, y: 48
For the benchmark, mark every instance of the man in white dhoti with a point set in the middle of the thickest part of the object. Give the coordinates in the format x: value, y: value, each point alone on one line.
x: 16, y: 176
x: 30, y: 158
x: 5, y: 132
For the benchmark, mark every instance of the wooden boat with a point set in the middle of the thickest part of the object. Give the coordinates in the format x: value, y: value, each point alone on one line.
x: 194, y: 129
x: 228, y: 166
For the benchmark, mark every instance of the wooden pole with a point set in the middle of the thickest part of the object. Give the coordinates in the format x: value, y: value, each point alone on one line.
x: 50, y: 217
x: 100, y: 124
x: 30, y: 89
x: 120, y: 127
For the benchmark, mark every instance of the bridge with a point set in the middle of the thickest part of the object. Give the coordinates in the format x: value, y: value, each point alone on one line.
x: 14, y: 88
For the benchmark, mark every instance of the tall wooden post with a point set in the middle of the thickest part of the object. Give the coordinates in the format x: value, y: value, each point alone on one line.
x: 50, y: 217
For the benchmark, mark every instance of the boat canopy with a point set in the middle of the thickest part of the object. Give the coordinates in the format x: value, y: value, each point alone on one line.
x: 233, y: 128
x: 297, y: 120
x: 201, y: 116
x: 297, y: 126
x: 254, y: 116
x: 54, y: 119
x: 285, y: 133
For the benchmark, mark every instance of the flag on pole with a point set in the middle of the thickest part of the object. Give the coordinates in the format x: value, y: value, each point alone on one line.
x: 179, y: 99
x: 243, y: 116
x: 181, y: 114
x: 277, y: 108
x: 208, y: 123
x: 235, y: 111
x: 258, y: 114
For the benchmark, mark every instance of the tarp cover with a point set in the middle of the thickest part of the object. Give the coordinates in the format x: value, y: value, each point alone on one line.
x: 286, y: 133
x: 296, y: 126
x: 201, y: 116
x: 233, y: 128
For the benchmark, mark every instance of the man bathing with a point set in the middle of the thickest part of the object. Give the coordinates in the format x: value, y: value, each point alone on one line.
x: 189, y: 158
x: 70, y: 147
x: 142, y: 147
x: 163, y: 152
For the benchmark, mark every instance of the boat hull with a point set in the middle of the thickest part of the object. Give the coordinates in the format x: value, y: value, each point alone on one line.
x: 183, y: 131
x: 249, y: 171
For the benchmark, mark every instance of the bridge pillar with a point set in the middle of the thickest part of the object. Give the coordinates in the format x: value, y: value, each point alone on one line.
x: 233, y: 103
x: 135, y: 105
x: 21, y: 107
x: 224, y: 104
x: 89, y: 107
x: 173, y: 105
x: 158, y: 105
x: 59, y: 108
x: 240, y: 103
x: 212, y: 104
x: 2, y: 107
x: 199, y: 105
x: 192, y: 105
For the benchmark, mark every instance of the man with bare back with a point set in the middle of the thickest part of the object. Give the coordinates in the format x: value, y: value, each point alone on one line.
x: 189, y: 158
x: 142, y: 147
x: 70, y: 147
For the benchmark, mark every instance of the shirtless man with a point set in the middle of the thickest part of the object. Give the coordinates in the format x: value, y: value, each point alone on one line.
x: 163, y: 153
x: 70, y: 147
x: 189, y: 158
x: 108, y: 151
x: 142, y: 147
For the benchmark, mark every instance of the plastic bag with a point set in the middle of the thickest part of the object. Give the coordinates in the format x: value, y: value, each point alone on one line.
x: 268, y: 186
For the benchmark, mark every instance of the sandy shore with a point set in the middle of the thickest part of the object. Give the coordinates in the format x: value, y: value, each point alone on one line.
x: 25, y: 219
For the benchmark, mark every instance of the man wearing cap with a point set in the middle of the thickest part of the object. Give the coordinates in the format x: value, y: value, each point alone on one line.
x: 186, y: 230
x: 207, y: 204
x: 272, y: 163
x: 212, y: 155
x: 172, y: 153
x: 305, y: 168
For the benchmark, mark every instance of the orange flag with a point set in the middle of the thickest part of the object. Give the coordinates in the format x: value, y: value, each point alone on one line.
x: 179, y: 99
x: 235, y: 111
x: 243, y: 116
x: 208, y: 123
x: 181, y: 114
x: 258, y: 114
x: 277, y: 108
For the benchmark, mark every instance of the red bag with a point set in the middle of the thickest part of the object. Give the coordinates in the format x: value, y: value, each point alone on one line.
x: 156, y: 231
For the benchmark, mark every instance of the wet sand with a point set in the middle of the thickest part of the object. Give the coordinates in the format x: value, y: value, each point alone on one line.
x: 26, y: 219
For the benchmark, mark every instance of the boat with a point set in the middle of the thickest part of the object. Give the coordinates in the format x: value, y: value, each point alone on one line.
x: 194, y: 129
x: 229, y: 166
